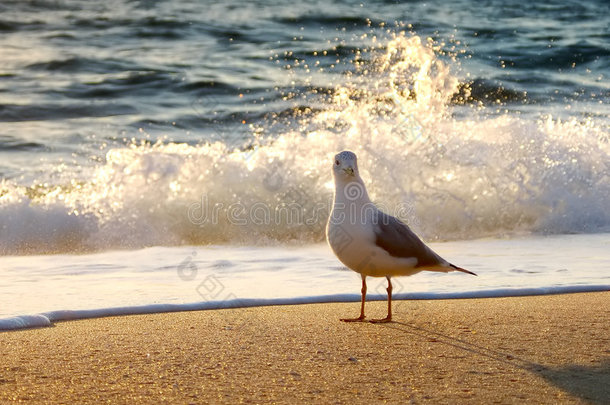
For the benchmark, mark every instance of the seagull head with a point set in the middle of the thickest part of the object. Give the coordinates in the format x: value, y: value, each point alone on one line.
x: 345, y: 165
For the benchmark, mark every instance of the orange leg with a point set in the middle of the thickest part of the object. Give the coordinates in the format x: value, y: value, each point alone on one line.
x: 361, y: 317
x: 389, y: 317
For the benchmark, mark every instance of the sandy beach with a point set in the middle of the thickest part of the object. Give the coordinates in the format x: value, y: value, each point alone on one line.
x: 544, y: 349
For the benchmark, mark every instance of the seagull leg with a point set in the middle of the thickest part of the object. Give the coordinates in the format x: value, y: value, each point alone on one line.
x: 361, y: 317
x: 389, y: 317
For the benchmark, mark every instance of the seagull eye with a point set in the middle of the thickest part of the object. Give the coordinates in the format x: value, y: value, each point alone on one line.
x: 337, y: 162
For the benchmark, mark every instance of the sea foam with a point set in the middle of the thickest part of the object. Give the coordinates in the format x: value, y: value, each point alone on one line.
x: 451, y: 172
x: 165, y: 279
x: 48, y: 318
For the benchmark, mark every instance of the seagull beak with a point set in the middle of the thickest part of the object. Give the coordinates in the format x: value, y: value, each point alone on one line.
x: 349, y: 170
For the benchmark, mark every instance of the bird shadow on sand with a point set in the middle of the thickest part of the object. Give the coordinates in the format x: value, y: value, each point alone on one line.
x: 590, y: 383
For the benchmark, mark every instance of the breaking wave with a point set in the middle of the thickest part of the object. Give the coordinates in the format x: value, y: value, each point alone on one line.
x: 451, y: 171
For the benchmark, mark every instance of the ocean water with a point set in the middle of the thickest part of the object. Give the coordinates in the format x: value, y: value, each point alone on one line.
x: 157, y: 152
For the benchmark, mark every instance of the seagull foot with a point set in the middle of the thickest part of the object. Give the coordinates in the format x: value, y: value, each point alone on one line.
x: 359, y: 319
x: 387, y: 319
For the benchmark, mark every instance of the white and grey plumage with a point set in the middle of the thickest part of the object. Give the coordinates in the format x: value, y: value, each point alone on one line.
x: 370, y: 241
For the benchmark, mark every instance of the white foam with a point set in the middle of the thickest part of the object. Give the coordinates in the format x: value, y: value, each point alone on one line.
x: 66, y: 287
x: 24, y: 322
x: 48, y: 318
x: 481, y: 174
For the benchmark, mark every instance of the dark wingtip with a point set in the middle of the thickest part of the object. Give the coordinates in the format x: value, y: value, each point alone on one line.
x: 462, y: 270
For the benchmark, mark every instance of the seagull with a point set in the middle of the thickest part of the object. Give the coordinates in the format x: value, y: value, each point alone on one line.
x: 371, y: 242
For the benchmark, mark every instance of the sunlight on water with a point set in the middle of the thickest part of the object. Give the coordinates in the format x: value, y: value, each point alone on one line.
x: 448, y: 177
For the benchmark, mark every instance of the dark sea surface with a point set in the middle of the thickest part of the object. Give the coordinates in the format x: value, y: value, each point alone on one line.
x: 121, y: 120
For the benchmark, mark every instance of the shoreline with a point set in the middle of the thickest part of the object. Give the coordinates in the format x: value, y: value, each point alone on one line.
x: 48, y: 319
x: 545, y: 349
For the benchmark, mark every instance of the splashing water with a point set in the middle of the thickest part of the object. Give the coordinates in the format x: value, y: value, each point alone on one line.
x: 452, y: 171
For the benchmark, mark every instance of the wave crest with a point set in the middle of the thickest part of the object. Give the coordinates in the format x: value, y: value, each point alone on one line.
x: 448, y: 177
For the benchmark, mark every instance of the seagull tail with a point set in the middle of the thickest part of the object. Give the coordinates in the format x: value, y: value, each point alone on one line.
x: 454, y: 267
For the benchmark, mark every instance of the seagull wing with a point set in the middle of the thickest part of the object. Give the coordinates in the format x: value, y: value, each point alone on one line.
x: 398, y: 240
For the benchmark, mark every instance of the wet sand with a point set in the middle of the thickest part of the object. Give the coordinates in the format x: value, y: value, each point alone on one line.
x: 546, y: 349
